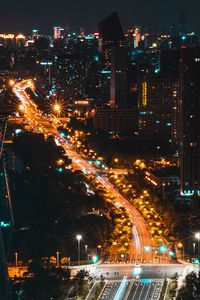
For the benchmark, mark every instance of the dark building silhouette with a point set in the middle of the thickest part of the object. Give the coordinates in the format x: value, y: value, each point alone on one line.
x: 182, y: 22
x: 110, y: 29
x: 169, y: 63
x: 190, y: 121
x: 110, y: 35
x: 119, y: 78
x: 115, y: 120
x: 123, y: 84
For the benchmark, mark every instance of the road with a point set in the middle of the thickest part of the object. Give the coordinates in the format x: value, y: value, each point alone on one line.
x: 40, y: 123
x: 145, y: 289
x: 110, y: 290
x: 118, y: 271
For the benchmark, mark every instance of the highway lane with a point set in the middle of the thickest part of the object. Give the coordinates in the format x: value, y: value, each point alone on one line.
x: 141, y: 234
x: 148, y: 289
x: 110, y: 290
x: 145, y: 290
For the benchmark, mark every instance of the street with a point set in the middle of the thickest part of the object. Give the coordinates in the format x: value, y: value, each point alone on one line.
x: 145, y: 289
x: 40, y: 123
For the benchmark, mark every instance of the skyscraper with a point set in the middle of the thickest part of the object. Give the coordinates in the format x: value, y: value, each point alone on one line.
x: 56, y: 33
x: 35, y: 34
x: 190, y: 121
x: 110, y: 30
x: 119, y: 77
x: 110, y: 35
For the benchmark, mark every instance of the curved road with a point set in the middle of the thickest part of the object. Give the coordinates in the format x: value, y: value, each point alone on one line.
x: 40, y: 123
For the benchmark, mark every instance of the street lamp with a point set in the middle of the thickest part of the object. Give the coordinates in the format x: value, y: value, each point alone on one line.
x: 11, y: 82
x: 16, y: 262
x: 57, y: 108
x: 180, y: 246
x: 116, y: 160
x: 86, y: 251
x: 197, y: 236
x: 57, y: 259
x: 79, y: 238
x: 194, y: 246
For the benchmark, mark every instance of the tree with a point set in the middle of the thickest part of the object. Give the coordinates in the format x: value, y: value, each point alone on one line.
x: 46, y: 282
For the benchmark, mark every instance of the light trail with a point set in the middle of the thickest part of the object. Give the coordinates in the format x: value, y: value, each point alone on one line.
x: 142, y: 235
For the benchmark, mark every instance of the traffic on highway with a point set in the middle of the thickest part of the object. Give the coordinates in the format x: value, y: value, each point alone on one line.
x: 44, y: 124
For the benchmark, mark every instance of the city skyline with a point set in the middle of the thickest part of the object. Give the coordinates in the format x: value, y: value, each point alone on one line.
x: 100, y: 150
x: 26, y: 16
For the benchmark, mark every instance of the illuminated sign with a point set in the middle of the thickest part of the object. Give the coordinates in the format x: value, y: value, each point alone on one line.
x: 82, y: 102
x: 144, y: 93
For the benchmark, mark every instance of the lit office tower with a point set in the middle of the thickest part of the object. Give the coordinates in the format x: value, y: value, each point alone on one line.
x: 119, y: 78
x: 56, y: 32
x: 190, y: 121
x: 35, y: 34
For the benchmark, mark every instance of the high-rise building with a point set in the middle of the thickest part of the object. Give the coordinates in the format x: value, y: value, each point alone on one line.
x: 157, y: 96
x: 56, y: 33
x: 110, y: 35
x: 110, y: 32
x: 119, y: 78
x: 115, y: 120
x: 169, y: 63
x: 190, y: 121
x: 35, y: 34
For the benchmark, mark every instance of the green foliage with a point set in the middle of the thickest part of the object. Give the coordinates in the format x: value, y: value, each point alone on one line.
x: 51, y: 207
x: 46, y: 282
x: 191, y: 290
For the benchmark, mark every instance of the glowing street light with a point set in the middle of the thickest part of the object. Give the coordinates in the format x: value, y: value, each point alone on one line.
x: 79, y: 238
x: 197, y: 236
x: 21, y: 107
x: 11, y: 82
x: 116, y: 160
x: 16, y: 262
x: 57, y: 259
x: 56, y: 107
x: 180, y: 246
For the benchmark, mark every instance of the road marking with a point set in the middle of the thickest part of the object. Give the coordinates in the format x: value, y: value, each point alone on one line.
x: 128, y: 291
x: 141, y: 292
x: 147, y: 294
x: 120, y: 293
x: 136, y: 290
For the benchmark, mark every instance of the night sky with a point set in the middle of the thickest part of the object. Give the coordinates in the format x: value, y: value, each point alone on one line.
x: 23, y: 15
